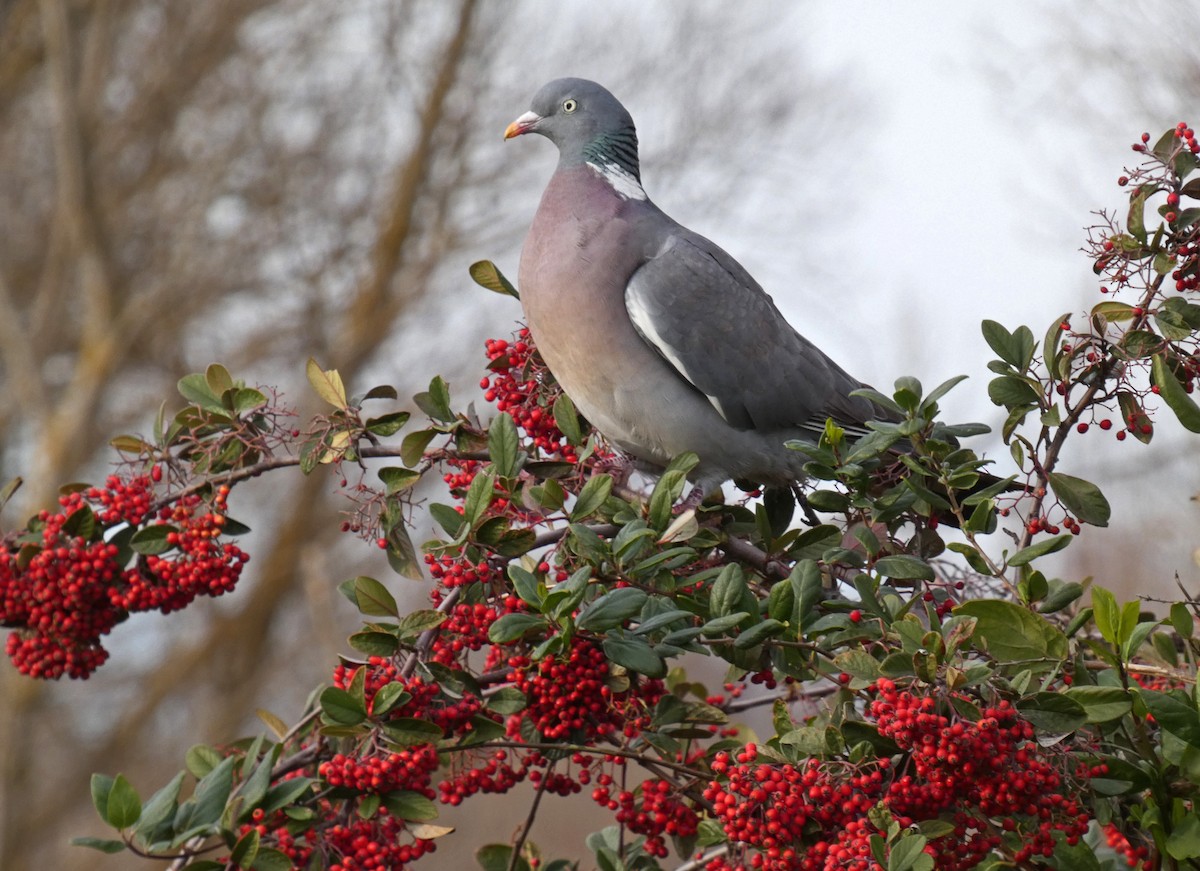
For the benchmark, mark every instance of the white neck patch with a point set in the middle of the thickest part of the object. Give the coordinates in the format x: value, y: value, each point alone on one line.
x: 624, y: 183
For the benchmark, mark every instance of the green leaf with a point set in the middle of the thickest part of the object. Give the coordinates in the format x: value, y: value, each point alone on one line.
x: 160, y: 807
x: 1013, y: 633
x: 1053, y: 341
x: 370, y: 597
x: 635, y: 655
x: 718, y: 626
x: 1012, y: 392
x: 246, y: 849
x: 858, y: 663
x: 1173, y: 394
x: 1137, y: 344
x: 435, y: 401
x: 449, y: 519
x: 591, y: 497
x: 507, y: 700
x: 412, y: 449
x: 510, y: 627
x: 397, y: 478
x: 567, y: 419
x: 1181, y: 616
x: 389, y: 697
x: 123, y: 807
x: 1082, y: 498
x: 339, y: 706
x: 669, y: 488
x: 498, y: 857
x: 665, y: 618
x: 1113, y: 312
x: 1106, y: 614
x: 245, y: 399
x: 526, y: 585
x: 479, y: 495
x: 487, y: 275
x: 1060, y: 596
x: 200, y: 759
x: 407, y: 805
x: 904, y: 567
x: 270, y: 859
x: 1049, y: 545
x: 414, y: 623
x: 1134, y: 640
x: 1053, y: 713
x: 1000, y: 340
x: 907, y: 853
x: 401, y: 554
x: 1173, y: 715
x: 729, y: 591
x: 805, y: 579
x: 212, y: 792
x: 152, y: 540
x: 411, y: 731
x: 502, y: 445
x: 374, y: 643
x: 1184, y: 840
x: 1101, y: 704
x: 194, y: 388
x: 758, y: 633
x: 611, y: 609
x: 101, y: 785
x: 327, y: 384
x: 104, y: 845
x: 1136, y: 219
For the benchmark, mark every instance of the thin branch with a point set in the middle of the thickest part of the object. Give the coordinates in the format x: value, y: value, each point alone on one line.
x: 515, y: 858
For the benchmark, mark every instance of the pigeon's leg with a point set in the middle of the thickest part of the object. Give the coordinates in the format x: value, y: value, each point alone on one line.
x: 619, y: 465
x: 810, y: 516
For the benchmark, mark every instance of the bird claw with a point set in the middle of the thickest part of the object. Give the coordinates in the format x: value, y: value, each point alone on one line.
x: 618, y: 466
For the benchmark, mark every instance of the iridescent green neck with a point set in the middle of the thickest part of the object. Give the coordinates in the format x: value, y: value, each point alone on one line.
x: 618, y: 147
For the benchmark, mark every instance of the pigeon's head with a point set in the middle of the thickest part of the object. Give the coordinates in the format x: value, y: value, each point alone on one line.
x: 580, y: 117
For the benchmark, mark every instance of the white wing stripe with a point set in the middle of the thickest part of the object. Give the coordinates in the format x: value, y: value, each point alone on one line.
x: 645, y: 327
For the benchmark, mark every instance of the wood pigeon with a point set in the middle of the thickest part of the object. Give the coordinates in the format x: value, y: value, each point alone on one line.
x: 659, y: 337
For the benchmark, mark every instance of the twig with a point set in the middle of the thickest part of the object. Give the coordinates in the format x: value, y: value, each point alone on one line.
x: 515, y: 858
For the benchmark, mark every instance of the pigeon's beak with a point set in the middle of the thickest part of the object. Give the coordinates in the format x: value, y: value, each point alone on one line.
x: 524, y: 124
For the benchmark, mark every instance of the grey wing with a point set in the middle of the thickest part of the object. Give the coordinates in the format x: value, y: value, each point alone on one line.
x: 722, y: 333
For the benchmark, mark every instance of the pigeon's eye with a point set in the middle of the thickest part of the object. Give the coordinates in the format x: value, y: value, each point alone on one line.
x: 569, y: 106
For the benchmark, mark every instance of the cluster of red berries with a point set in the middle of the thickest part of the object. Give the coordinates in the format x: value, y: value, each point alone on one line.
x: 381, y: 773
x: 199, y: 564
x: 1135, y: 857
x: 989, y: 777
x: 465, y: 630
x: 373, y: 843
x: 776, y: 808
x: 518, y: 386
x: 1186, y: 274
x: 351, y: 844
x: 64, y: 583
x: 655, y: 809
x: 570, y: 696
x: 281, y: 833
x: 492, y: 774
x: 1042, y: 524
x: 426, y: 700
x: 975, y: 771
x: 1184, y: 131
x: 455, y: 570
